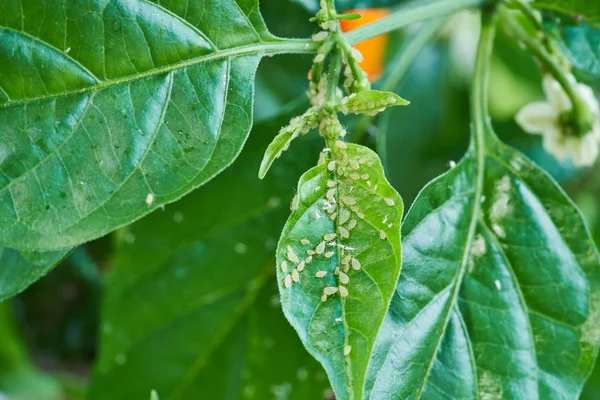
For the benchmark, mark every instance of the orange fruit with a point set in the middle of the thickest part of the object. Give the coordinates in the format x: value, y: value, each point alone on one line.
x: 373, y: 50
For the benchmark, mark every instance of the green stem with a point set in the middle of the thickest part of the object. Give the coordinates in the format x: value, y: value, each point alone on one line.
x: 583, y: 116
x: 333, y: 77
x: 415, y: 11
x: 399, y: 67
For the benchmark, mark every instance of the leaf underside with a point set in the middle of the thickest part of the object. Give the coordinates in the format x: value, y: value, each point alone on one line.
x: 590, y: 10
x: 205, y: 324
x: 506, y: 310
x: 328, y: 328
x: 109, y: 110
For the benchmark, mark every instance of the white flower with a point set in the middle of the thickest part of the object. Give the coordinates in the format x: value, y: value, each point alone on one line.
x: 543, y: 117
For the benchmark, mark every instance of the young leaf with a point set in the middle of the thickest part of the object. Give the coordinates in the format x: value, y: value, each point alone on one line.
x: 207, y: 323
x: 338, y: 261
x: 109, y: 110
x: 372, y: 102
x: 20, y: 269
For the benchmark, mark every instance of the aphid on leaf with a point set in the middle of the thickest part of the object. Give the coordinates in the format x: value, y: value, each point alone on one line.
x: 305, y: 241
x: 344, y: 278
x: 390, y: 202
x: 355, y: 264
x: 343, y: 291
x: 329, y: 290
x: 382, y: 235
x: 321, y: 274
x: 291, y: 255
x: 320, y: 248
x: 329, y: 237
x: 329, y: 254
x: 295, y: 275
x: 343, y: 232
x: 347, y: 350
x: 301, y: 266
x: 287, y: 281
x: 284, y: 267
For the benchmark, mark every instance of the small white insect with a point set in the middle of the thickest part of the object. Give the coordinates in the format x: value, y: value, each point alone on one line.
x: 294, y: 203
x: 343, y: 291
x: 321, y: 274
x: 284, y: 267
x: 343, y: 232
x: 347, y: 350
x: 150, y: 199
x: 382, y: 235
x: 329, y: 290
x: 342, y: 145
x: 295, y: 275
x: 305, y: 241
x: 355, y: 264
x: 329, y: 237
x: 344, y: 278
x: 291, y: 255
x: 308, y: 260
x: 320, y: 248
x: 331, y: 184
x: 301, y: 266
x: 344, y: 216
x: 329, y: 254
x: 390, y: 202
x: 331, y: 165
x: 452, y: 164
x: 287, y: 281
x: 352, y: 224
x: 498, y: 284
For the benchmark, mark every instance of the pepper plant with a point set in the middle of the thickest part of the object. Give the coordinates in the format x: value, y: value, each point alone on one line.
x: 488, y: 287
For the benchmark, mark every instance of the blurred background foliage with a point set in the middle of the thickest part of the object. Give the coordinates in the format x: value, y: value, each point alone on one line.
x: 189, y: 290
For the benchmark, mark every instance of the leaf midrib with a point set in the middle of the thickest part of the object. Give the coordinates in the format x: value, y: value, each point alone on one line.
x: 284, y: 46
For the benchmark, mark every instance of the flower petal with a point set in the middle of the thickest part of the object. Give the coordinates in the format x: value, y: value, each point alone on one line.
x: 585, y: 151
x: 587, y: 94
x: 556, y: 95
x: 556, y: 145
x: 537, y: 117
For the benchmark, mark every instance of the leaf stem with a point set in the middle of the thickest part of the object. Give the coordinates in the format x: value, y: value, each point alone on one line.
x: 583, y: 116
x: 333, y: 77
x: 416, y: 11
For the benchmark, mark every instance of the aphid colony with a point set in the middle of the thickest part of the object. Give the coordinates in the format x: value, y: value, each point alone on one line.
x: 341, y: 207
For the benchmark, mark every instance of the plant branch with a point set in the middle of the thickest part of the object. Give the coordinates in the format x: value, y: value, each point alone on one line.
x: 416, y: 11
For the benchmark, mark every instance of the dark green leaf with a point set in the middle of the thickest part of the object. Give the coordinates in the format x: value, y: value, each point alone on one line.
x: 339, y: 329
x: 590, y: 10
x: 20, y: 269
x: 110, y: 110
x: 499, y: 291
x: 192, y: 308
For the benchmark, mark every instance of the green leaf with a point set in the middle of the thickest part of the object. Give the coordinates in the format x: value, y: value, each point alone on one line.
x: 20, y: 269
x: 364, y: 214
x: 110, y: 110
x: 498, y: 296
x: 372, y: 102
x: 590, y: 10
x: 298, y: 125
x: 199, y: 275
x: 579, y: 42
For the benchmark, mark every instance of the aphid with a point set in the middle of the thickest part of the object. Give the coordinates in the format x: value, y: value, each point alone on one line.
x: 354, y: 176
x: 336, y: 271
x: 329, y: 290
x: 308, y: 260
x: 329, y: 254
x: 343, y: 291
x: 291, y: 255
x: 342, y: 145
x: 317, y: 215
x: 338, y: 319
x: 150, y: 199
x: 360, y: 215
x: 324, y: 298
x: 284, y: 266
x: 321, y: 274
x: 344, y: 278
x: 344, y: 216
x: 355, y: 264
x: 331, y: 165
x: 354, y: 164
x: 332, y: 216
x: 295, y: 275
x: 310, y: 252
x: 347, y: 350
x: 390, y: 202
x: 365, y: 176
x: 294, y: 203
x: 346, y: 260
x: 305, y: 241
x: 349, y: 200
x: 329, y: 237
x: 300, y: 266
x: 384, y: 220
x: 320, y: 248
x: 331, y: 184
x: 382, y: 235
x: 331, y: 195
x: 287, y: 281
x: 352, y: 224
x: 343, y: 232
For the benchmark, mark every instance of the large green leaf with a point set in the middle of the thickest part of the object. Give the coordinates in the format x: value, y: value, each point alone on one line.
x: 109, y: 110
x: 590, y: 10
x: 500, y: 292
x: 364, y: 259
x: 192, y: 307
x: 20, y: 269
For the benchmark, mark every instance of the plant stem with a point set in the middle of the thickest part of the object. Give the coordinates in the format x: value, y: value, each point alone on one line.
x: 333, y: 77
x: 415, y: 11
x: 582, y: 113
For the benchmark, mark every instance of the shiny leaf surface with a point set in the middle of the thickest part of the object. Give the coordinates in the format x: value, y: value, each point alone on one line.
x: 338, y: 261
x: 109, y: 110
